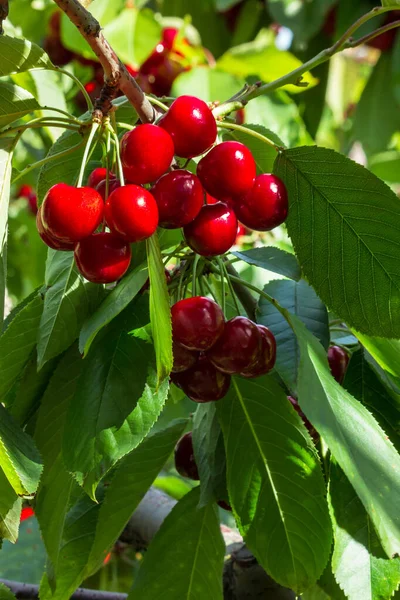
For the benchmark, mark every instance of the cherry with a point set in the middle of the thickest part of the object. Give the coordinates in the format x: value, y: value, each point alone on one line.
x: 184, y: 359
x: 227, y: 171
x: 71, y: 214
x: 98, y: 175
x: 311, y: 430
x: 197, y: 323
x: 132, y: 213
x: 102, y: 257
x: 32, y: 202
x: 238, y: 348
x: 185, y: 462
x: 179, y: 196
x: 191, y: 125
x: 213, y: 231
x: 146, y: 153
x: 25, y: 191
x: 113, y: 184
x: 203, y: 382
x: 338, y: 360
x: 168, y: 37
x: 26, y: 513
x: 48, y: 239
x: 266, y: 359
x: 265, y: 206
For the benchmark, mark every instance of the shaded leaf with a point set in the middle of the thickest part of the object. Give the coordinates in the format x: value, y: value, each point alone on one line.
x: 6, y: 593
x: 10, y: 510
x: 20, y: 55
x: 304, y: 19
x: 385, y: 352
x: 15, y: 102
x: 272, y: 259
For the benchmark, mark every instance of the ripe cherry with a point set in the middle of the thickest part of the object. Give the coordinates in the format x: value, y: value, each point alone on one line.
x: 97, y: 175
x: 213, y: 231
x: 238, y: 348
x: 24, y: 191
x: 185, y: 462
x: 266, y: 359
x: 338, y: 360
x: 146, y: 153
x: 191, y: 125
x: 102, y: 257
x: 184, y: 359
x: 32, y: 202
x: 132, y: 213
x: 265, y: 206
x: 203, y: 382
x: 179, y: 196
x: 48, y: 239
x: 311, y: 430
x: 71, y: 214
x: 228, y: 171
x: 113, y: 184
x: 197, y: 323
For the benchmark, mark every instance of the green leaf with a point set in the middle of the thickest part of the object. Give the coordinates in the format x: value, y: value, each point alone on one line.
x: 206, y: 83
x: 390, y: 2
x: 25, y: 560
x: 68, y: 301
x: 385, y: 352
x: 386, y: 166
x: 336, y: 208
x: 304, y: 19
x: 272, y: 259
x: 6, y: 593
x: 355, y: 439
x: 20, y: 55
x: 359, y: 564
x: 263, y: 153
x: 17, y: 343
x: 275, y: 483
x: 6, y: 146
x: 190, y: 569
x: 10, y: 510
x: 112, y: 305
x: 301, y: 300
x: 326, y: 588
x: 15, y: 102
x: 160, y: 313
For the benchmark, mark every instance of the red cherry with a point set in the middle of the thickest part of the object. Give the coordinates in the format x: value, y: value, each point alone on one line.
x: 102, y: 257
x: 197, y: 323
x: 185, y: 462
x: 71, y: 214
x: 146, y: 153
x: 183, y: 358
x: 203, y: 382
x: 25, y: 191
x: 132, y: 213
x: 32, y: 202
x: 265, y: 206
x: 179, y: 196
x: 168, y: 37
x: 311, y: 429
x: 48, y: 239
x: 213, y: 231
x: 98, y: 175
x: 26, y: 513
x: 113, y: 184
x: 211, y: 199
x: 238, y: 348
x: 191, y: 125
x: 227, y: 171
x: 266, y: 359
x: 338, y: 360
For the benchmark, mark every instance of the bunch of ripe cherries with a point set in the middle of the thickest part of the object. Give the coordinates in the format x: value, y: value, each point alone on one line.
x: 100, y: 226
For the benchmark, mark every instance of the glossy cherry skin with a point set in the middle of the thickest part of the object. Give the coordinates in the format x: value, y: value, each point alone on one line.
x: 98, y: 175
x: 48, y: 239
x: 213, y: 231
x: 71, y: 214
x: 113, y: 184
x: 197, y: 323
x: 228, y: 171
x: 185, y: 462
x: 146, y: 153
x: 311, y: 430
x: 191, y: 125
x: 238, y: 348
x: 338, y: 360
x: 132, y: 213
x: 203, y: 382
x: 102, y: 257
x: 267, y: 355
x: 184, y: 359
x: 265, y: 206
x: 179, y: 196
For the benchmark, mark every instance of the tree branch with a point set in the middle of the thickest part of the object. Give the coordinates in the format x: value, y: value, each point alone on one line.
x: 115, y: 73
x: 28, y: 591
x: 3, y: 13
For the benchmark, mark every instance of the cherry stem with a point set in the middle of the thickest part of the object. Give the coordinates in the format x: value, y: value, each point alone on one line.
x: 117, y: 154
x: 250, y: 132
x: 40, y: 122
x: 222, y: 275
x: 194, y: 276
x: 157, y: 102
x: 92, y: 133
x: 80, y: 85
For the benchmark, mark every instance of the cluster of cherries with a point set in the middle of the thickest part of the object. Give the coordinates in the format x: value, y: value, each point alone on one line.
x: 206, y: 205
x: 208, y: 350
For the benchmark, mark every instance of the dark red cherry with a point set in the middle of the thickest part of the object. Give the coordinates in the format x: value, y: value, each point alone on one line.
x: 185, y: 462
x: 228, y: 171
x: 265, y: 206
x: 102, y: 257
x: 132, y: 213
x: 203, y: 382
x: 197, y: 323
x: 311, y: 430
x: 98, y: 175
x: 71, y: 214
x: 32, y: 203
x: 213, y: 231
x: 146, y: 153
x: 184, y: 359
x: 267, y: 355
x: 24, y: 191
x: 338, y: 360
x: 224, y: 505
x: 238, y: 348
x: 191, y: 125
x: 48, y: 239
x: 179, y: 196
x: 113, y: 184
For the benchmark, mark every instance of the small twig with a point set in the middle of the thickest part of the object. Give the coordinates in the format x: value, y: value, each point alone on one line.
x: 3, y: 13
x: 248, y: 301
x: 27, y: 591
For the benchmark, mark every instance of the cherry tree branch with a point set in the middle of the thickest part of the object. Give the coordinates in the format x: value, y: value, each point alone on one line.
x: 28, y: 591
x: 3, y: 13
